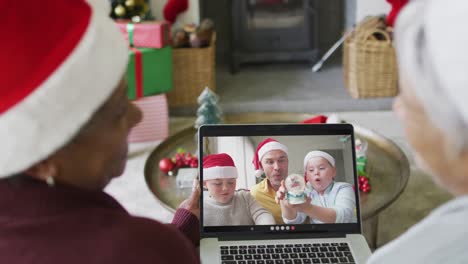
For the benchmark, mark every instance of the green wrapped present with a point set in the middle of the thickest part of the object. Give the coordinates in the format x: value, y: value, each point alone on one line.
x: 149, y: 71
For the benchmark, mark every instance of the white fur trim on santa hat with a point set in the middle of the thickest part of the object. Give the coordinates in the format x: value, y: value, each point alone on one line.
x: 53, y: 114
x: 430, y: 40
x: 318, y: 153
x: 273, y: 145
x: 212, y: 173
x: 259, y: 173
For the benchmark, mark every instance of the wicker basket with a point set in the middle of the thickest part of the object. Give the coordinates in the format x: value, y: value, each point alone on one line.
x: 369, y: 63
x: 194, y: 69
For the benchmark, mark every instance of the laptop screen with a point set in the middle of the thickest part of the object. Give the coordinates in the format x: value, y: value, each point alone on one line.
x: 278, y: 179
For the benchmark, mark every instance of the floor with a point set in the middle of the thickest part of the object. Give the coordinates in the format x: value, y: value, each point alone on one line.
x: 286, y: 88
x: 295, y: 88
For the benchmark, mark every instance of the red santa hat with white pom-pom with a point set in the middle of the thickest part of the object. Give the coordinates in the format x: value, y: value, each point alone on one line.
x: 59, y: 66
x: 264, y: 147
x: 218, y: 166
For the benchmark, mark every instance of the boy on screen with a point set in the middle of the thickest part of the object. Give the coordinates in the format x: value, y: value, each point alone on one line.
x: 329, y: 202
x: 223, y: 206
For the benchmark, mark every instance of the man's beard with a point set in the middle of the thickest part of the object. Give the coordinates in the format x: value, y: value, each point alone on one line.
x: 275, y: 181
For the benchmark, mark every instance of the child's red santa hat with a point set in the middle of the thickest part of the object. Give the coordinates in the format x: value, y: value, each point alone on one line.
x: 59, y: 66
x: 218, y: 166
x: 263, y: 147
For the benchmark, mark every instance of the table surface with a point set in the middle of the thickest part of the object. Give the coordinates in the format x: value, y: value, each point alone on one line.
x: 388, y: 166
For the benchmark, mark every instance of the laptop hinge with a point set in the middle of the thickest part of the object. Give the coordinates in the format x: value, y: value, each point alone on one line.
x: 278, y: 236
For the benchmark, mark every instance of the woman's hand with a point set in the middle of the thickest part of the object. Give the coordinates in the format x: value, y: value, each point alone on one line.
x: 193, y: 202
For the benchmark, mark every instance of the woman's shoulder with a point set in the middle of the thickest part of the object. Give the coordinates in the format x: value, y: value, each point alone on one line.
x: 151, y: 238
x: 440, y: 237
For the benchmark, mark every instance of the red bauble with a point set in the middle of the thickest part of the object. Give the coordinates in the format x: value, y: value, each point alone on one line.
x: 194, y: 163
x: 166, y: 165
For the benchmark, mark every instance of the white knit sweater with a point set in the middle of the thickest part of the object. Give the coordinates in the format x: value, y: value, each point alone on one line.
x: 243, y: 209
x: 442, y: 237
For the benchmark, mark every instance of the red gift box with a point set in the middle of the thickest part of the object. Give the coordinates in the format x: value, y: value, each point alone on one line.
x: 155, y: 123
x: 153, y: 34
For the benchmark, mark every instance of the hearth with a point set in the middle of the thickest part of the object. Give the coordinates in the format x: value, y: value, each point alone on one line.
x: 272, y: 31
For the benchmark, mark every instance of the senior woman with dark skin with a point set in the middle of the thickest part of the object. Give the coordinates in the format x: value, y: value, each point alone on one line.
x: 64, y: 122
x: 430, y: 38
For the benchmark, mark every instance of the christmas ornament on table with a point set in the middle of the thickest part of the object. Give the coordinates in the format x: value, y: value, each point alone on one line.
x: 182, y: 159
x: 361, y: 164
x: 135, y: 10
x: 208, y: 112
x: 185, y: 177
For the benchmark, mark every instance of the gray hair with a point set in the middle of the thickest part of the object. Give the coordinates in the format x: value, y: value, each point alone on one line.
x: 430, y: 38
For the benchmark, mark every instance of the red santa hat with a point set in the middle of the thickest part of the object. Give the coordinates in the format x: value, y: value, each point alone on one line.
x: 218, y: 166
x: 263, y: 147
x: 59, y: 66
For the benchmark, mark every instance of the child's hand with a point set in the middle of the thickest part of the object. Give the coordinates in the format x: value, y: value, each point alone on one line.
x: 303, y: 207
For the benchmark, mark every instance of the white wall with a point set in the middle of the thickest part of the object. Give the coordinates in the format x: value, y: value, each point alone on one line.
x: 371, y: 7
x: 192, y: 15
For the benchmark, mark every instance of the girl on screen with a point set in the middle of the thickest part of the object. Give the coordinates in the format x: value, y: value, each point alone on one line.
x: 223, y: 205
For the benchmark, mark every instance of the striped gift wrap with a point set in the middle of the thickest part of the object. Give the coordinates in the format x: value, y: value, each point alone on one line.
x: 155, y: 122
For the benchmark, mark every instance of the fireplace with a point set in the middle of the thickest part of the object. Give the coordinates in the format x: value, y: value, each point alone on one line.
x: 250, y: 31
x: 273, y: 30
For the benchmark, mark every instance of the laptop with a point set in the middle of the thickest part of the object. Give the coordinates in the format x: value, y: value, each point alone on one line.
x: 308, y: 242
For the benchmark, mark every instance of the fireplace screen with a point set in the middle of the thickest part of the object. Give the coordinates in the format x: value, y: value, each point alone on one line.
x: 275, y: 14
x: 273, y: 30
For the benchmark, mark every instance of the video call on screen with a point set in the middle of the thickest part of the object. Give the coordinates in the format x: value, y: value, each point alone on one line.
x: 247, y: 199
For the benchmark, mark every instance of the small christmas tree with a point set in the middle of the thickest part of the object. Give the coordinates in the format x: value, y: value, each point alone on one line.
x: 136, y: 10
x: 208, y: 113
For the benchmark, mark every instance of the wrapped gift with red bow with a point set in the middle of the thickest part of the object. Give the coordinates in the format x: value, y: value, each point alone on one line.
x: 148, y: 34
x: 149, y: 72
x: 155, y: 122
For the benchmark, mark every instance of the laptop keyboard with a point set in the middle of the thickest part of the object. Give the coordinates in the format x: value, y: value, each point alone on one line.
x: 287, y: 254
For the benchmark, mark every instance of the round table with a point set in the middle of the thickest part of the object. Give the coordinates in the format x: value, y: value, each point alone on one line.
x: 388, y: 168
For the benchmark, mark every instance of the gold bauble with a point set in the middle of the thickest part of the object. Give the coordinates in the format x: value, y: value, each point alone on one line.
x: 119, y: 11
x: 130, y: 3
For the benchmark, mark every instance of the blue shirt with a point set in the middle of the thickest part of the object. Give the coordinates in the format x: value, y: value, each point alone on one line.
x: 338, y: 196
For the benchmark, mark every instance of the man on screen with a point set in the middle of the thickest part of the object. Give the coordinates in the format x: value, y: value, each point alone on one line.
x: 270, y: 160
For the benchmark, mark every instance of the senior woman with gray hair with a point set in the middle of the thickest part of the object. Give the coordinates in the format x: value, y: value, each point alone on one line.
x: 431, y: 39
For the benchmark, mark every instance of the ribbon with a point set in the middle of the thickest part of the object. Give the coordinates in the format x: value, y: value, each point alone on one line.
x: 130, y: 29
x: 138, y: 72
